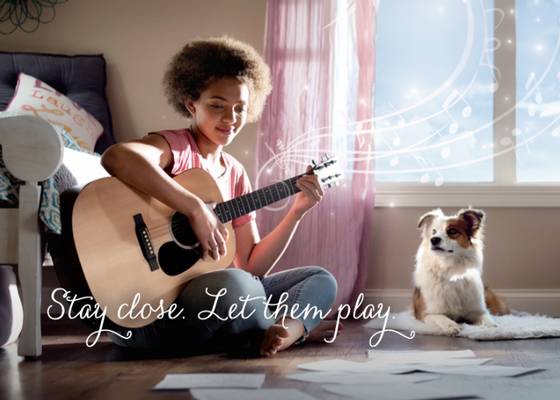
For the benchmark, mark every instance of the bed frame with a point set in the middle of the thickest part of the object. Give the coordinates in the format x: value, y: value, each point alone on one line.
x: 32, y: 152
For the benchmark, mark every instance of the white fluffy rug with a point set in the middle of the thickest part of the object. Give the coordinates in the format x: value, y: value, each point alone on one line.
x: 515, y: 326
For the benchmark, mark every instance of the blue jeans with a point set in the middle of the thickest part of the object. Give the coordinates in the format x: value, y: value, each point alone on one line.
x: 305, y: 286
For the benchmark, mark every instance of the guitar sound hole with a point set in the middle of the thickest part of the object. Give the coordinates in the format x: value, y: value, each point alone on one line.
x: 174, y: 260
x: 182, y: 231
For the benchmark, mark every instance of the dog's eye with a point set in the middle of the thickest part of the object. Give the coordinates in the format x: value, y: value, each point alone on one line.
x: 452, y: 231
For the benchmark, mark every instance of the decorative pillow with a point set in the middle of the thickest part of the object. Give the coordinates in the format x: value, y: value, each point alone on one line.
x: 32, y: 96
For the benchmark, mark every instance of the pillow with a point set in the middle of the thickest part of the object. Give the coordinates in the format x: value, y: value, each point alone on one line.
x: 32, y: 96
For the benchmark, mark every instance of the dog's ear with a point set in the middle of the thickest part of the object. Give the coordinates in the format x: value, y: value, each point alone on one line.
x: 428, y: 217
x: 474, y: 218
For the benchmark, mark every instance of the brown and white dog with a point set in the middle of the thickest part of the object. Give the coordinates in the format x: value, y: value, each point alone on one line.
x: 448, y: 274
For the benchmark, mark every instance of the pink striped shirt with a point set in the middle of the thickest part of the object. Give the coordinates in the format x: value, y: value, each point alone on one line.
x: 234, y: 182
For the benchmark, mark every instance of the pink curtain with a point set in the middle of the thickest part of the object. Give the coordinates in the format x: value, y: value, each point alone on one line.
x: 322, y: 58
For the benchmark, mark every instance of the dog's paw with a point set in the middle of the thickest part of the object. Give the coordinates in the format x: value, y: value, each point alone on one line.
x: 449, y: 327
x: 487, y: 321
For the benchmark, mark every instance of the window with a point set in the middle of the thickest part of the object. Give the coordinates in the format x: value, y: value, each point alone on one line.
x: 467, y: 103
x: 538, y: 91
x: 434, y: 92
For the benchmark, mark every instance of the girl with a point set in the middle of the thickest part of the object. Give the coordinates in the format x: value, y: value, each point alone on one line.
x: 218, y: 85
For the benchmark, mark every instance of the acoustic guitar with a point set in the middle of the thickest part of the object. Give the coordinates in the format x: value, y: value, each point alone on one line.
x: 133, y: 249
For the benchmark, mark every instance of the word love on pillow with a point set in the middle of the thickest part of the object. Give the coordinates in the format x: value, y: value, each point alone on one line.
x: 35, y: 97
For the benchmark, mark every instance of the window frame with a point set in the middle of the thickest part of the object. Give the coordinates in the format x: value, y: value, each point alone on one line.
x: 504, y: 191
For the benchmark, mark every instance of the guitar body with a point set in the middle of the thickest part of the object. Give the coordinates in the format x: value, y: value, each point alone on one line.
x: 129, y: 243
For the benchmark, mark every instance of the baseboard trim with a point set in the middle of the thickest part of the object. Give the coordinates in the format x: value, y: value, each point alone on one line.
x: 536, y: 301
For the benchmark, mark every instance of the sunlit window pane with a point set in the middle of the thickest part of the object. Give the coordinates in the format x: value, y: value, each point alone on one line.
x: 434, y: 91
x: 538, y: 91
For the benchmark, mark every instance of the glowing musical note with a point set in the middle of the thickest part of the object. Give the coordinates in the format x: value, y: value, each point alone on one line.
x: 506, y: 142
x: 538, y: 98
x: 496, y: 44
x: 420, y: 160
x: 454, y: 126
x: 532, y: 109
x: 394, y: 161
x: 439, y: 180
x: 467, y: 110
x: 529, y: 81
x: 445, y: 152
x: 451, y: 99
x: 499, y: 17
x: 516, y: 132
x: 425, y: 178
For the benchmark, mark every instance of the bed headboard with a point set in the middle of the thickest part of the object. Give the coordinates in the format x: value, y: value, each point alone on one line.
x: 82, y: 78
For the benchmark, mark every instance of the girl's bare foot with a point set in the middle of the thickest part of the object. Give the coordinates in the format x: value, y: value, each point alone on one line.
x: 325, y: 330
x: 274, y: 338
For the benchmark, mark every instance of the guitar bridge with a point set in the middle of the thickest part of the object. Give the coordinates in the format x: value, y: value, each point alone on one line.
x: 143, y: 236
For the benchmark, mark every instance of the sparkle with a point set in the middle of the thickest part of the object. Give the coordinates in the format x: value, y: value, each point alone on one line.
x: 510, y: 41
x: 391, y: 204
x: 511, y: 11
x: 539, y: 47
x: 538, y: 20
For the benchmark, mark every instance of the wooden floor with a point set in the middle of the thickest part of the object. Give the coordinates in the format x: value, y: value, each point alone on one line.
x: 70, y: 370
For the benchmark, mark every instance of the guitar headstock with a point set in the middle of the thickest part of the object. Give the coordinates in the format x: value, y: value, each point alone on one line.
x: 327, y: 170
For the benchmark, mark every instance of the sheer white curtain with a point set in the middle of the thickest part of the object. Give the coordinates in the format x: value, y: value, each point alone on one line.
x: 322, y: 58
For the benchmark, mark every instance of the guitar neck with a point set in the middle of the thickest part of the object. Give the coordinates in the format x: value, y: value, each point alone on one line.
x: 258, y: 199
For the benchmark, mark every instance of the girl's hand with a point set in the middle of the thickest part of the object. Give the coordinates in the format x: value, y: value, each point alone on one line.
x: 311, y: 194
x: 210, y: 232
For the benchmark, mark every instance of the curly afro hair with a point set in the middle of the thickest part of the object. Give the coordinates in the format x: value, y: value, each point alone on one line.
x: 201, y: 62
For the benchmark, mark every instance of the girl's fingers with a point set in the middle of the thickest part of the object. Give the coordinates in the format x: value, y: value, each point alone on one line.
x: 221, y: 243
x: 310, y: 189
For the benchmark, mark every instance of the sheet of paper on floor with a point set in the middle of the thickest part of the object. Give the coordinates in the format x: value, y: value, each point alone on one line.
x: 483, y: 370
x: 401, y: 392
x: 423, y: 353
x: 441, y: 362
x: 338, y: 365
x: 249, y: 394
x: 346, y: 378
x: 386, y: 365
x: 187, y: 381
x: 504, y: 388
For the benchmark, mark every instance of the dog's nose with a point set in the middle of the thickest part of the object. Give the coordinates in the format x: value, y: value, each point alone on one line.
x: 435, y: 240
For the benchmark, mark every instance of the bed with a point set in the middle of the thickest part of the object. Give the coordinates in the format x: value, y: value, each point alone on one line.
x: 40, y: 157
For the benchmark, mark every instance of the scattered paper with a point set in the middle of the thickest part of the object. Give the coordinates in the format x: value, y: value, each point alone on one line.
x: 419, y: 354
x: 337, y: 365
x: 504, y: 388
x: 486, y: 370
x: 393, y: 364
x: 187, y: 381
x: 357, y: 378
x: 400, y: 392
x: 249, y: 394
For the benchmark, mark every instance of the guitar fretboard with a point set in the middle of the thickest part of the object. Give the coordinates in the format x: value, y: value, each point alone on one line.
x: 258, y: 199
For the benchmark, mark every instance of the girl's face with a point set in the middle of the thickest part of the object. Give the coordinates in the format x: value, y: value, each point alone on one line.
x: 221, y: 110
